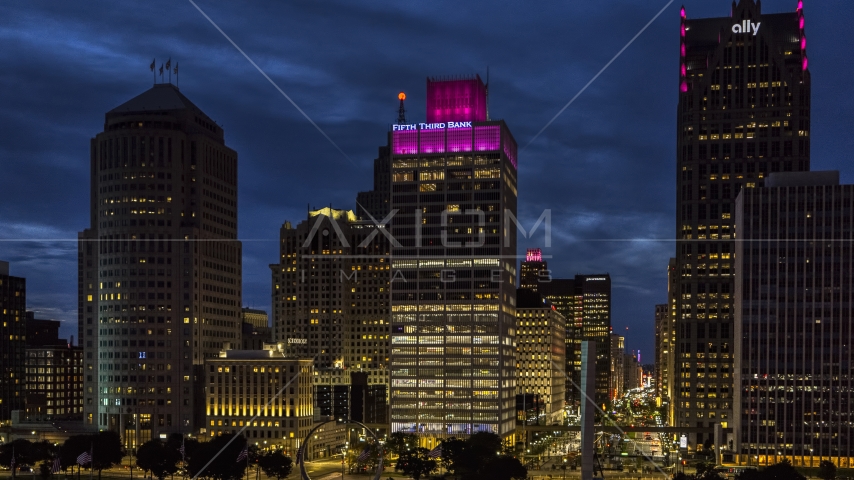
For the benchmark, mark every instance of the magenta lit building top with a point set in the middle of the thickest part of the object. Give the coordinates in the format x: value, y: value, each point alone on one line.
x: 432, y: 138
x: 534, y: 255
x: 456, y: 100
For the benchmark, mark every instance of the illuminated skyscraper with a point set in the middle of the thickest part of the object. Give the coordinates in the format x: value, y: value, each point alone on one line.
x: 453, y: 268
x: 744, y: 111
x: 159, y: 268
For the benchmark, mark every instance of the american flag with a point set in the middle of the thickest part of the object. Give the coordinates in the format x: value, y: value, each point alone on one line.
x: 364, y: 456
x: 84, y: 458
x: 182, y: 448
x: 13, y: 458
x: 436, y: 452
x: 56, y: 466
x: 244, y: 454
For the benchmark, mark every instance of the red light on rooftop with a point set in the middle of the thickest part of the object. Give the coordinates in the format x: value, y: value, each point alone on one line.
x: 401, y: 96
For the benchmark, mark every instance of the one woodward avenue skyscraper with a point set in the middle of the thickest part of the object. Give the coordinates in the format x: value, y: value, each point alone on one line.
x: 159, y: 267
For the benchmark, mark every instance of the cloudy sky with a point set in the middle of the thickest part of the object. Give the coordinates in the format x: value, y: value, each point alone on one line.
x: 605, y: 166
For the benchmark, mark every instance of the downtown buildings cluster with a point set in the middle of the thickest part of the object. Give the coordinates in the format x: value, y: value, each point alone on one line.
x: 412, y: 313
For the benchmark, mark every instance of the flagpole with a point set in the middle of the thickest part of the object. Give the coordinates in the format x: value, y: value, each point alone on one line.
x: 91, y: 460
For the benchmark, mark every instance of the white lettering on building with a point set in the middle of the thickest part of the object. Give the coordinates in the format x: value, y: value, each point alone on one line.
x: 746, y: 27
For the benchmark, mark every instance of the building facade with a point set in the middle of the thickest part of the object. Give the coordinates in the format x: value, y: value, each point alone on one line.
x: 588, y: 299
x: 795, y: 321
x: 54, y: 382
x: 618, y: 348
x: 453, y: 268
x: 159, y: 268
x: 13, y: 334
x: 331, y: 295
x: 541, y: 354
x: 662, y: 348
x: 744, y: 111
x: 256, y: 318
x: 272, y: 390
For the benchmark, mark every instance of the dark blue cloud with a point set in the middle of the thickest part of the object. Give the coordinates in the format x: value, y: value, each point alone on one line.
x: 605, y: 167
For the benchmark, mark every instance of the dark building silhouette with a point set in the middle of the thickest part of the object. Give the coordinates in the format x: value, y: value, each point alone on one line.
x: 744, y: 112
x: 377, y: 202
x: 13, y: 332
x: 159, y: 266
x: 42, y: 332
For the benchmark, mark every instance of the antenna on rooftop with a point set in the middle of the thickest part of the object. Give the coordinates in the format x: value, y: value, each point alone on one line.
x: 487, y: 92
x: 401, y: 113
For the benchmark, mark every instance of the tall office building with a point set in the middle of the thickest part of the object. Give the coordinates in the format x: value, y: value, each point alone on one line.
x: 662, y: 348
x: 618, y: 348
x: 561, y: 293
x: 159, y: 275
x: 13, y: 333
x: 673, y: 382
x: 331, y: 295
x: 744, y: 111
x: 587, y: 298
x: 533, y: 270
x: 453, y: 279
x: 540, y: 355
x: 794, y: 324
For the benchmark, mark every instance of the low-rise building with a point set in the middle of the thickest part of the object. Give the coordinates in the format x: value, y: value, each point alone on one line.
x: 261, y: 392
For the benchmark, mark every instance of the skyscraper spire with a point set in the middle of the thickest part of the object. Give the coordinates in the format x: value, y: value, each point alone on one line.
x: 401, y: 113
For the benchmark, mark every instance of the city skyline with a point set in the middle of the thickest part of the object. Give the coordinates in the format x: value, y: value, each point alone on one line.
x: 354, y: 102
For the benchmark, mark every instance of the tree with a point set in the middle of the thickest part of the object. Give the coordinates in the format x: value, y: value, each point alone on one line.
x: 159, y: 459
x: 416, y: 463
x: 44, y: 469
x: 480, y: 449
x: 452, y: 452
x: 106, y: 450
x: 826, y: 470
x: 400, y: 442
x: 224, y: 465
x: 503, y: 467
x: 275, y: 464
x: 781, y: 471
x: 24, y: 453
x: 72, y: 448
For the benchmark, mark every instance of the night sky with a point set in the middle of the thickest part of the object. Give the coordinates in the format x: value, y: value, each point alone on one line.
x: 605, y: 166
